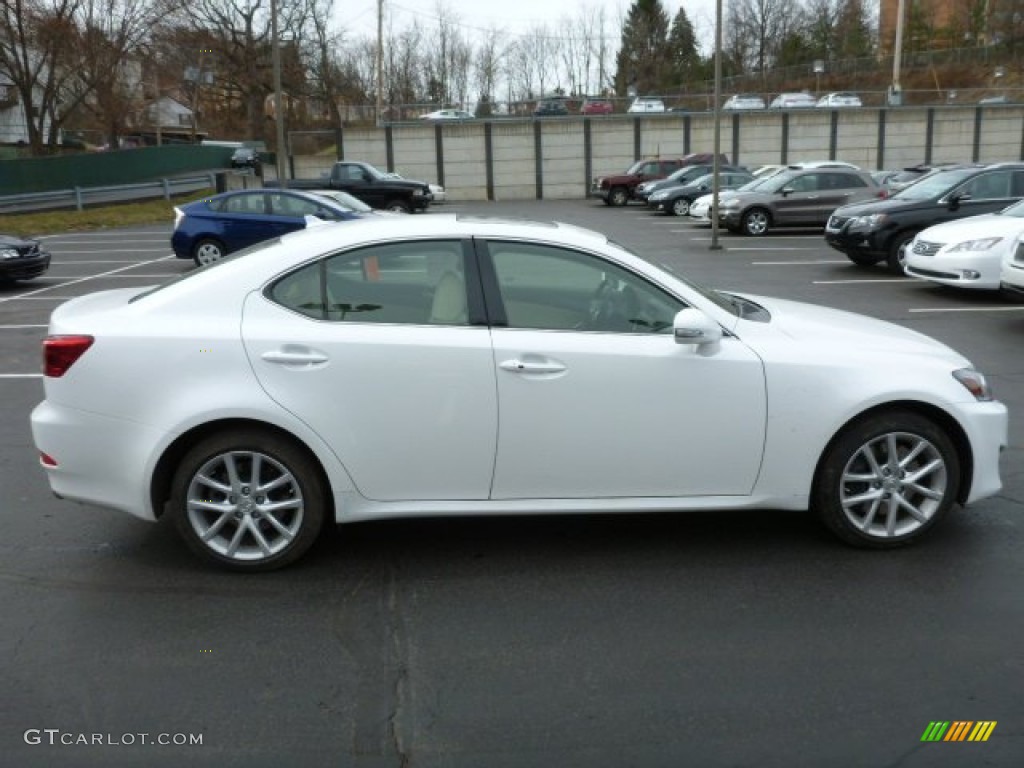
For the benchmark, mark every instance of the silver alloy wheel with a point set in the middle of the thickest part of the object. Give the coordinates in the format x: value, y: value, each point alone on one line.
x: 755, y: 222
x: 893, y: 484
x: 680, y: 206
x: 245, y: 506
x: 208, y: 252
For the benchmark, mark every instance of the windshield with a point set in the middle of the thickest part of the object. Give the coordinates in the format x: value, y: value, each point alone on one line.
x: 205, y: 268
x: 934, y: 184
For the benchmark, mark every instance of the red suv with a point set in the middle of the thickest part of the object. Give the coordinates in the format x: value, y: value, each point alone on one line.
x: 620, y: 188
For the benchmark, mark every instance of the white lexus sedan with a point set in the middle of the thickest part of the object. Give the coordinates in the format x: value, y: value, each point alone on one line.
x: 966, y: 253
x: 449, y: 365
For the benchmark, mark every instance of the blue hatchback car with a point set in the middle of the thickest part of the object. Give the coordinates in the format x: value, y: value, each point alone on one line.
x: 208, y: 229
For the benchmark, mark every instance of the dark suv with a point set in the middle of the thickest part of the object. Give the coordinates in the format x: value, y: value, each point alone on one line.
x: 869, y: 233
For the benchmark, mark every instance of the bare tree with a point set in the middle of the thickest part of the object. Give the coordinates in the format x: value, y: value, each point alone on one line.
x: 37, y: 48
x: 489, y: 56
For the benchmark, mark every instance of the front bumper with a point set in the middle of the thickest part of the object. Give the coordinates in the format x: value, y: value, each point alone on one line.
x: 970, y: 269
x: 25, y: 267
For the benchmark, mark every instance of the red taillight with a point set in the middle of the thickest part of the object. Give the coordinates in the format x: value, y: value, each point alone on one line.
x: 883, y: 193
x: 61, y: 352
x: 47, y: 460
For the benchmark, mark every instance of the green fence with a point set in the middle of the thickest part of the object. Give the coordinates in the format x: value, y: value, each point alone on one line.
x: 101, y: 169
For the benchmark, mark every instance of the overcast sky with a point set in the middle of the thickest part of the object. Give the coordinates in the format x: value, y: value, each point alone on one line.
x: 359, y: 17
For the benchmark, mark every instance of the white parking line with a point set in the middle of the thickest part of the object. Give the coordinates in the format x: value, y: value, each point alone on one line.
x: 83, y: 279
x: 99, y: 235
x: 3, y: 327
x: 97, y: 261
x: 21, y: 375
x: 117, y: 250
x: 40, y: 298
x: 115, y: 277
x: 968, y: 309
x: 797, y: 263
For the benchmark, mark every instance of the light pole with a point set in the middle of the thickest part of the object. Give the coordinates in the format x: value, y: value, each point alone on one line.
x: 715, y: 164
x: 895, y: 92
x: 275, y: 58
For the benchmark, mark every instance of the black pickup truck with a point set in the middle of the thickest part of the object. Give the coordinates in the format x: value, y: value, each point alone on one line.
x: 373, y: 187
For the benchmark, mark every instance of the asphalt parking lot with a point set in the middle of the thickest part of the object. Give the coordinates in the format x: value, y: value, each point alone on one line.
x: 746, y: 639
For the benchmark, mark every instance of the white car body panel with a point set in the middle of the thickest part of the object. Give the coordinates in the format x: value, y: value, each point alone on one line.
x: 940, y: 264
x: 434, y: 439
x: 597, y: 442
x: 178, y: 359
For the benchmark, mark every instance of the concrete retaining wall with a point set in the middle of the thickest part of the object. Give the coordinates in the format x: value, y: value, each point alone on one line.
x: 555, y: 158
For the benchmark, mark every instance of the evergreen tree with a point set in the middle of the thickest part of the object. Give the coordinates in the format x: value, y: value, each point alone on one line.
x: 686, y: 63
x: 644, y: 58
x: 855, y: 35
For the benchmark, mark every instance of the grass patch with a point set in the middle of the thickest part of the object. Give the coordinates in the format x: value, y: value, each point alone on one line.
x: 101, y: 217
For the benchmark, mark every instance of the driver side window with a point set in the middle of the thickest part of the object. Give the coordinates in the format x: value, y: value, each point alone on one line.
x: 548, y: 288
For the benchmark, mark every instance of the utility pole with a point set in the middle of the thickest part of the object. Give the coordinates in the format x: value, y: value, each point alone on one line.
x: 380, y: 62
x: 275, y: 55
x: 895, y: 91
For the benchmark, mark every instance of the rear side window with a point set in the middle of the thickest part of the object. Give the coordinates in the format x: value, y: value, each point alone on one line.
x: 843, y: 181
x: 252, y: 203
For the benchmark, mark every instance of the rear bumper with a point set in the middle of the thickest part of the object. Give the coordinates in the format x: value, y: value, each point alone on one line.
x: 100, y: 460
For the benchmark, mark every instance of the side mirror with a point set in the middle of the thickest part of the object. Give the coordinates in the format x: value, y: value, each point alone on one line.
x: 957, y: 198
x: 787, y: 191
x: 691, y: 326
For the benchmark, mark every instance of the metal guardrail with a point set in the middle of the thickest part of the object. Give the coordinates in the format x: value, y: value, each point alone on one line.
x: 79, y: 197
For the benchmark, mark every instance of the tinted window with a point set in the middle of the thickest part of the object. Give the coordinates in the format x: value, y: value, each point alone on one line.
x: 987, y: 186
x: 550, y: 288
x: 418, y: 282
x: 245, y: 204
x: 842, y: 181
x: 288, y: 205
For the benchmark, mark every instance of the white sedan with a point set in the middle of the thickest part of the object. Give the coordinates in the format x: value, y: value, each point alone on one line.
x: 424, y: 366
x: 967, y: 253
x: 448, y: 114
x: 1011, y: 276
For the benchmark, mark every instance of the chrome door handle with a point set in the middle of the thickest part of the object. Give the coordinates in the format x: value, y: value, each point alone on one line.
x: 526, y: 366
x: 294, y: 357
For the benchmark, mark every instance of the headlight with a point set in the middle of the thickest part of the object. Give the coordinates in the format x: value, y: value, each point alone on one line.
x: 976, y: 245
x: 659, y: 195
x: 872, y: 220
x: 732, y: 202
x: 975, y: 383
x: 8, y: 253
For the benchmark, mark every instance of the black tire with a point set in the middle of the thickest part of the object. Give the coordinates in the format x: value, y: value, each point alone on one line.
x: 880, y: 491
x: 234, y: 520
x: 862, y: 260
x: 207, y: 251
x: 678, y: 207
x: 755, y: 222
x: 897, y: 257
x: 618, y: 196
x: 397, y: 206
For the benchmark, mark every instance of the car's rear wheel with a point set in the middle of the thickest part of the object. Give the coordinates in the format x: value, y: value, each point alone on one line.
x: 207, y: 251
x: 397, y: 206
x: 886, y: 480
x: 680, y: 207
x: 619, y: 196
x: 755, y: 222
x: 897, y: 258
x: 247, y: 501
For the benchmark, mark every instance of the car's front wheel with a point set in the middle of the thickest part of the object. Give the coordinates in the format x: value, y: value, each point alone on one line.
x: 886, y: 479
x: 897, y: 259
x: 247, y: 501
x: 680, y: 207
x: 755, y: 222
x: 619, y: 196
x: 207, y: 251
x: 398, y: 206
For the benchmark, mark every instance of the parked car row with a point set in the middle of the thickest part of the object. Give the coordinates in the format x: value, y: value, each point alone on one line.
x: 799, y: 100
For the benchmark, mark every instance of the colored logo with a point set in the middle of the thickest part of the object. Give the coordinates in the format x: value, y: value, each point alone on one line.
x: 959, y: 730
